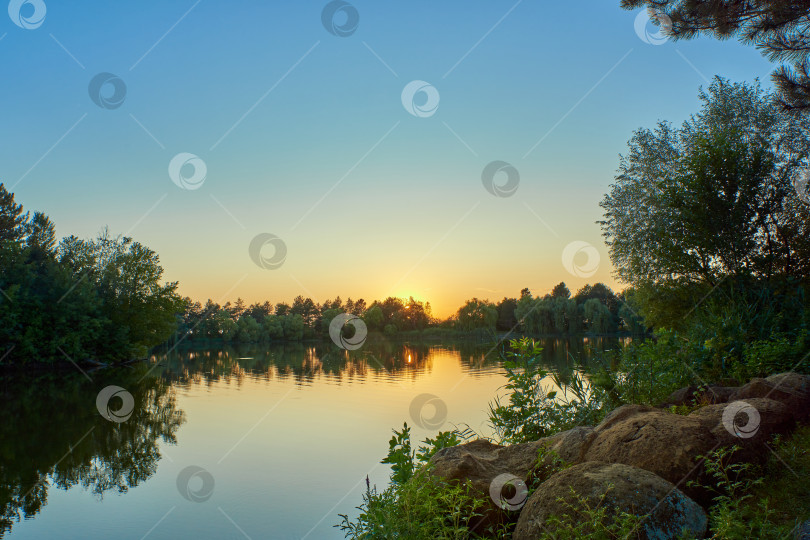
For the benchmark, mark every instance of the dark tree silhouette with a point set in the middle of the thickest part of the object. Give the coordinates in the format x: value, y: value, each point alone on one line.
x: 777, y: 28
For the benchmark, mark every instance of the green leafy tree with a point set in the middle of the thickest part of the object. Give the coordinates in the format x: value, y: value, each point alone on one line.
x: 79, y: 299
x: 710, y: 202
x: 506, y: 314
x: 373, y: 317
x: 273, y: 326
x: 597, y: 316
x: 293, y: 327
x: 560, y: 290
x: 13, y: 222
x: 475, y: 314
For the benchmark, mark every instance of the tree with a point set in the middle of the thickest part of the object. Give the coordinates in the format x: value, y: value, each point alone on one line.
x: 777, y: 29
x: 293, y: 327
x: 12, y: 220
x: 81, y: 299
x: 236, y: 309
x: 597, y: 316
x: 308, y: 310
x: 601, y: 292
x: 373, y: 317
x: 506, y: 314
x: 476, y: 314
x: 272, y: 324
x: 560, y: 290
x: 248, y: 330
x: 41, y: 234
x: 260, y: 311
x: 359, y: 307
x: 710, y: 202
x: 128, y: 276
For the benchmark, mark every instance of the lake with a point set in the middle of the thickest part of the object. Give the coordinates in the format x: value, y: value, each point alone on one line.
x: 269, y: 441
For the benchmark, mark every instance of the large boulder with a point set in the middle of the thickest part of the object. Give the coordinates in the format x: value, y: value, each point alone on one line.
x: 705, y: 395
x: 483, y: 465
x: 746, y: 423
x: 492, y: 470
x: 620, y: 488
x: 792, y: 389
x: 671, y: 445
x: 571, y: 445
x: 659, y: 441
x: 481, y: 462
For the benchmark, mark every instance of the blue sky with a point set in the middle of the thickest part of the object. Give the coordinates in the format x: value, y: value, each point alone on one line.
x: 304, y: 135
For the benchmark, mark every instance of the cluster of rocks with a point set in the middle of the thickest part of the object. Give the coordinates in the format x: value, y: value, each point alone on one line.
x: 639, y: 459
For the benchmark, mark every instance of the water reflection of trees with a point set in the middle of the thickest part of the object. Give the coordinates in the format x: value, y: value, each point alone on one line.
x: 306, y: 362
x: 51, y: 434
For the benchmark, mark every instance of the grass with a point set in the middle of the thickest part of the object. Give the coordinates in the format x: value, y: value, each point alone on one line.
x: 786, y: 488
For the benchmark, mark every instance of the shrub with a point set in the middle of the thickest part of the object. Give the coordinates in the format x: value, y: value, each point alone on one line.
x: 533, y: 410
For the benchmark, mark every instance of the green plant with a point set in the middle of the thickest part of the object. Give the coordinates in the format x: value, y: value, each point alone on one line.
x: 417, y: 505
x: 584, y: 519
x: 424, y: 508
x: 547, y: 464
x: 775, y: 355
x: 533, y: 410
x: 404, y: 460
x: 737, y: 512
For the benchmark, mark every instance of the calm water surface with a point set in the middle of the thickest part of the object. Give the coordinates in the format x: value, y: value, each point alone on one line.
x: 282, y: 437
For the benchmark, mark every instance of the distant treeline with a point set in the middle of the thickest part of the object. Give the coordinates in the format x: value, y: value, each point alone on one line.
x: 593, y: 309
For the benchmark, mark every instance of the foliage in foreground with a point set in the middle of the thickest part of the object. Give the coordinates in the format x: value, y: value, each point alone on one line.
x: 416, y: 505
x: 531, y: 409
x: 757, y: 502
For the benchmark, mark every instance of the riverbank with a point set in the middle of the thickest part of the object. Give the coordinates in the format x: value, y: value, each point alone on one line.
x: 710, y: 460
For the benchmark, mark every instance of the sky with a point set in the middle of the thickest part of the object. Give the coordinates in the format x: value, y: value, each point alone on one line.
x: 266, y: 149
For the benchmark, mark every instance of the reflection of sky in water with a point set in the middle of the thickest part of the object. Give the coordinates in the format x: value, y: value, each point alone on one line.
x: 288, y: 434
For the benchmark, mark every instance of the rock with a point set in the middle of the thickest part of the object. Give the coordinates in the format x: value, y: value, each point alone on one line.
x: 571, y: 445
x: 749, y: 424
x: 681, y: 396
x: 658, y: 441
x: 481, y: 461
x: 484, y: 464
x: 620, y: 488
x: 792, y: 389
x: 704, y: 395
x: 719, y: 394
